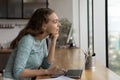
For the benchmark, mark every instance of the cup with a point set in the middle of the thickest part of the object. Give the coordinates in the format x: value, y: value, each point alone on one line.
x: 90, y: 62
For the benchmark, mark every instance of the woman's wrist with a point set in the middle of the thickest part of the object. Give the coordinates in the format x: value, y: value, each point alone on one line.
x: 43, y: 72
x: 53, y: 41
x: 46, y: 72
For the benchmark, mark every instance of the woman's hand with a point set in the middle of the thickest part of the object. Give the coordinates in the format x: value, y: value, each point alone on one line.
x: 56, y: 70
x: 54, y: 36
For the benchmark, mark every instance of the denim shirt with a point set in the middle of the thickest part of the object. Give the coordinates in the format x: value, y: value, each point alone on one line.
x: 29, y: 54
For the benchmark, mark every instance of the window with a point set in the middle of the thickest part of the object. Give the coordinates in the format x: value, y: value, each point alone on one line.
x: 114, y: 35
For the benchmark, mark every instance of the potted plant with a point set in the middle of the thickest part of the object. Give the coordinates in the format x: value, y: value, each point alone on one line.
x: 64, y: 31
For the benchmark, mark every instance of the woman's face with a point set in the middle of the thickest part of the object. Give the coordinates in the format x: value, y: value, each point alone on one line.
x: 53, y: 25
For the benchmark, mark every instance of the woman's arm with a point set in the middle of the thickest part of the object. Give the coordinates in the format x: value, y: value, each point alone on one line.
x: 34, y: 73
x: 51, y: 53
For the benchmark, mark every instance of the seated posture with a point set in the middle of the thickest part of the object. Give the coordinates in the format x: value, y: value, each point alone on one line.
x: 30, y: 56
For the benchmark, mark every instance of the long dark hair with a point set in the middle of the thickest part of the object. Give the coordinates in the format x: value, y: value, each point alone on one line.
x: 34, y: 26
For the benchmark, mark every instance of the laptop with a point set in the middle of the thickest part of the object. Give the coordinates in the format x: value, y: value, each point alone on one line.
x: 73, y: 73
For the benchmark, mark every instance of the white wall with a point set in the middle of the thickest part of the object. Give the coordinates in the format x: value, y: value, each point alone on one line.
x: 83, y: 25
x: 7, y: 35
x: 63, y: 8
x: 99, y: 30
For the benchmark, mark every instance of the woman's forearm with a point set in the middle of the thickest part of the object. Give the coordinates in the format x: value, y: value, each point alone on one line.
x: 51, y: 53
x: 26, y: 73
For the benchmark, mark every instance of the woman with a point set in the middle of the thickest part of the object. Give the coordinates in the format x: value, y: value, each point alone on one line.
x: 30, y: 49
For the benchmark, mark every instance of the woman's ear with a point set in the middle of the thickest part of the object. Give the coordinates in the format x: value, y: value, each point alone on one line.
x: 44, y: 27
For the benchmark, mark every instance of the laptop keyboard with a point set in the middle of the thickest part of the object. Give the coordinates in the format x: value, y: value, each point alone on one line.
x: 74, y: 73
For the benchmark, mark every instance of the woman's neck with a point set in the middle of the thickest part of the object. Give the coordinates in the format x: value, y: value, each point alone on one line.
x: 41, y: 36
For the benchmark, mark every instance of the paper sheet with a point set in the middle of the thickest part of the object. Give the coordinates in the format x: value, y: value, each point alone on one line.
x: 58, y: 78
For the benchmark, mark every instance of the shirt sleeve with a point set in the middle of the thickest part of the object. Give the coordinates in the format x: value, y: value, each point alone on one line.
x: 22, y: 55
x: 45, y: 63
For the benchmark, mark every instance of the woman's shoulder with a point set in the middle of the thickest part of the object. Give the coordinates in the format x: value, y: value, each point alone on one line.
x: 27, y: 38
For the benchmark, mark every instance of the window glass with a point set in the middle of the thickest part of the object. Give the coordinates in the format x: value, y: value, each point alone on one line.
x: 114, y: 35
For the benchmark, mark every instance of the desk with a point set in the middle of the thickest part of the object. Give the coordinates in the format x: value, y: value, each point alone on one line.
x: 74, y: 59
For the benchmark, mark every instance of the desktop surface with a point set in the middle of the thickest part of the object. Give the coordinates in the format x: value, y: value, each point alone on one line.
x: 74, y: 59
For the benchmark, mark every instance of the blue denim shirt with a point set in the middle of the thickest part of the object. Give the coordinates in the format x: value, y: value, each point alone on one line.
x: 29, y: 54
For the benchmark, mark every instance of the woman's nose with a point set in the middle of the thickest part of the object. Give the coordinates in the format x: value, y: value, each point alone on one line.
x: 59, y: 24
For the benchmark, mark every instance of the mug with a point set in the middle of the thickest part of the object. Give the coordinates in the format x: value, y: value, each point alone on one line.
x: 90, y: 62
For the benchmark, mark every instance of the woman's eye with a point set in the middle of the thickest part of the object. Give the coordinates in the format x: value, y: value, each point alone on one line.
x: 55, y: 21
